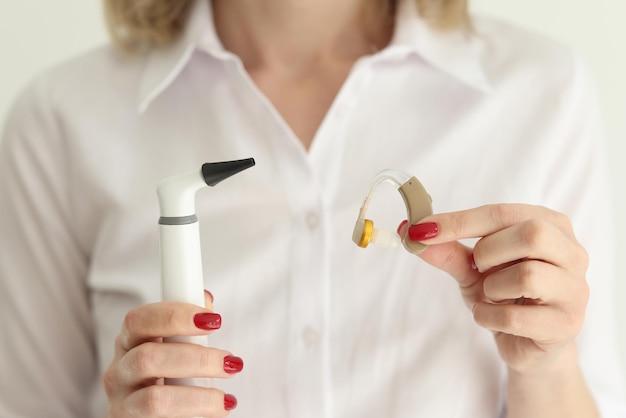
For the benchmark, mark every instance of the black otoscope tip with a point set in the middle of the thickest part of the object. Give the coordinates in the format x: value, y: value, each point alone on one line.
x: 213, y: 173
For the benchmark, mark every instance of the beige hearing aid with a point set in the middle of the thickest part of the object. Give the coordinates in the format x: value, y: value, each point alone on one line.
x: 418, y: 205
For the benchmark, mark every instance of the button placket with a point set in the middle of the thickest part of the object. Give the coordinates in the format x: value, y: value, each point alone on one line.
x: 312, y: 220
x: 307, y: 362
x: 311, y: 337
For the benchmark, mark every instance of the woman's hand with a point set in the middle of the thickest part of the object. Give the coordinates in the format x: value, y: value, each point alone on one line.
x: 524, y: 279
x: 134, y: 380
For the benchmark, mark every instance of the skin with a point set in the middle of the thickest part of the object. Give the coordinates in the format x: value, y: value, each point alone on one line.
x: 523, y: 251
x: 133, y: 382
x: 525, y: 281
x: 290, y: 57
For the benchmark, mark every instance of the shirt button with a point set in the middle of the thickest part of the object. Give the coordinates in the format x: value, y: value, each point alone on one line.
x: 310, y: 337
x: 312, y: 220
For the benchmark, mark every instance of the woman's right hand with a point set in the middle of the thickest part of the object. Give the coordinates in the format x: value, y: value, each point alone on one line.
x: 134, y: 382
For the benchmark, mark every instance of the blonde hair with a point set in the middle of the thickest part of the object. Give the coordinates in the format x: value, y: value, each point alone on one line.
x: 135, y: 23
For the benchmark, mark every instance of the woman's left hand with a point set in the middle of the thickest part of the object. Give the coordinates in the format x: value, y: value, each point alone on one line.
x: 524, y: 279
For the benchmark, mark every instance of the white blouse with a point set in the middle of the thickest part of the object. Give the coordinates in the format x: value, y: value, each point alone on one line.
x: 326, y: 329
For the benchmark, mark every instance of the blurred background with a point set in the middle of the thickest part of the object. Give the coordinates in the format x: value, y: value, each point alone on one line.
x: 36, y: 34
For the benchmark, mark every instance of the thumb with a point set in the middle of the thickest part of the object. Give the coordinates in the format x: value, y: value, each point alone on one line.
x: 455, y: 259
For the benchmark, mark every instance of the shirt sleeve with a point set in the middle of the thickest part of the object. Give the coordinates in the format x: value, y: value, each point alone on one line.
x: 47, y: 352
x: 583, y: 190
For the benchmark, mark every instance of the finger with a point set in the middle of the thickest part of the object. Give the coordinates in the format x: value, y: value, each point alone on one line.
x: 166, y: 319
x: 178, y: 402
x: 208, y: 300
x: 147, y: 362
x: 485, y: 220
x: 536, y: 280
x: 531, y: 239
x: 453, y: 258
x: 541, y: 323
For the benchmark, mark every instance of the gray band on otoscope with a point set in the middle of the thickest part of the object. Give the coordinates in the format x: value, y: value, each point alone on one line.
x: 178, y: 220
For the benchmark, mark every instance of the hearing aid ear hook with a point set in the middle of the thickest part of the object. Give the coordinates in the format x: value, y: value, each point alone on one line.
x: 418, y: 205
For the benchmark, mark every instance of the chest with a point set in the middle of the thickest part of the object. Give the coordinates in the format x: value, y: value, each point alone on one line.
x: 302, y: 100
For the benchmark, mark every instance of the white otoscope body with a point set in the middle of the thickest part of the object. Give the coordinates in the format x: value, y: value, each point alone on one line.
x: 181, y: 258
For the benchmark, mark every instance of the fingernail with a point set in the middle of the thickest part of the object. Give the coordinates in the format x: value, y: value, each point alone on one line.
x: 208, y: 320
x: 233, y: 364
x: 230, y: 402
x: 404, y: 222
x: 423, y: 231
x: 473, y: 263
x: 209, y: 294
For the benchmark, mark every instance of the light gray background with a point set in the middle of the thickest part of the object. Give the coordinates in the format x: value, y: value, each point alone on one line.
x: 36, y: 34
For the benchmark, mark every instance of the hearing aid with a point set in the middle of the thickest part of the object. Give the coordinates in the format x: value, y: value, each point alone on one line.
x: 418, y: 205
x: 179, y: 238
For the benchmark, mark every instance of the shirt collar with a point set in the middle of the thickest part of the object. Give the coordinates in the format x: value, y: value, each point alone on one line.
x: 165, y: 64
x: 457, y: 52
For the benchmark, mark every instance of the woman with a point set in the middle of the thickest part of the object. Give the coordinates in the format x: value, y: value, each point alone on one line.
x: 323, y: 95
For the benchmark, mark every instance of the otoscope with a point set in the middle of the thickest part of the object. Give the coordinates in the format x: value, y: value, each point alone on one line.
x: 179, y: 235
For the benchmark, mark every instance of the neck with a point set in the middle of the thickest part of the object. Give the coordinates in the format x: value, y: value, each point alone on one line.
x: 301, y: 33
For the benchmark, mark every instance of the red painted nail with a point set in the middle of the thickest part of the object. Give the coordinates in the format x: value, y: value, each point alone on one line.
x: 420, y: 232
x: 230, y: 402
x: 404, y: 222
x: 208, y: 320
x: 233, y: 364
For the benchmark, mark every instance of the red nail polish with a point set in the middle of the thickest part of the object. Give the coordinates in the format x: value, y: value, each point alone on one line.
x: 420, y: 232
x: 233, y: 364
x: 404, y: 222
x: 230, y: 402
x: 208, y: 320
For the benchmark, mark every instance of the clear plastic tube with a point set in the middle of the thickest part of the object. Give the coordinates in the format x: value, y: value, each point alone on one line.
x: 393, y: 176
